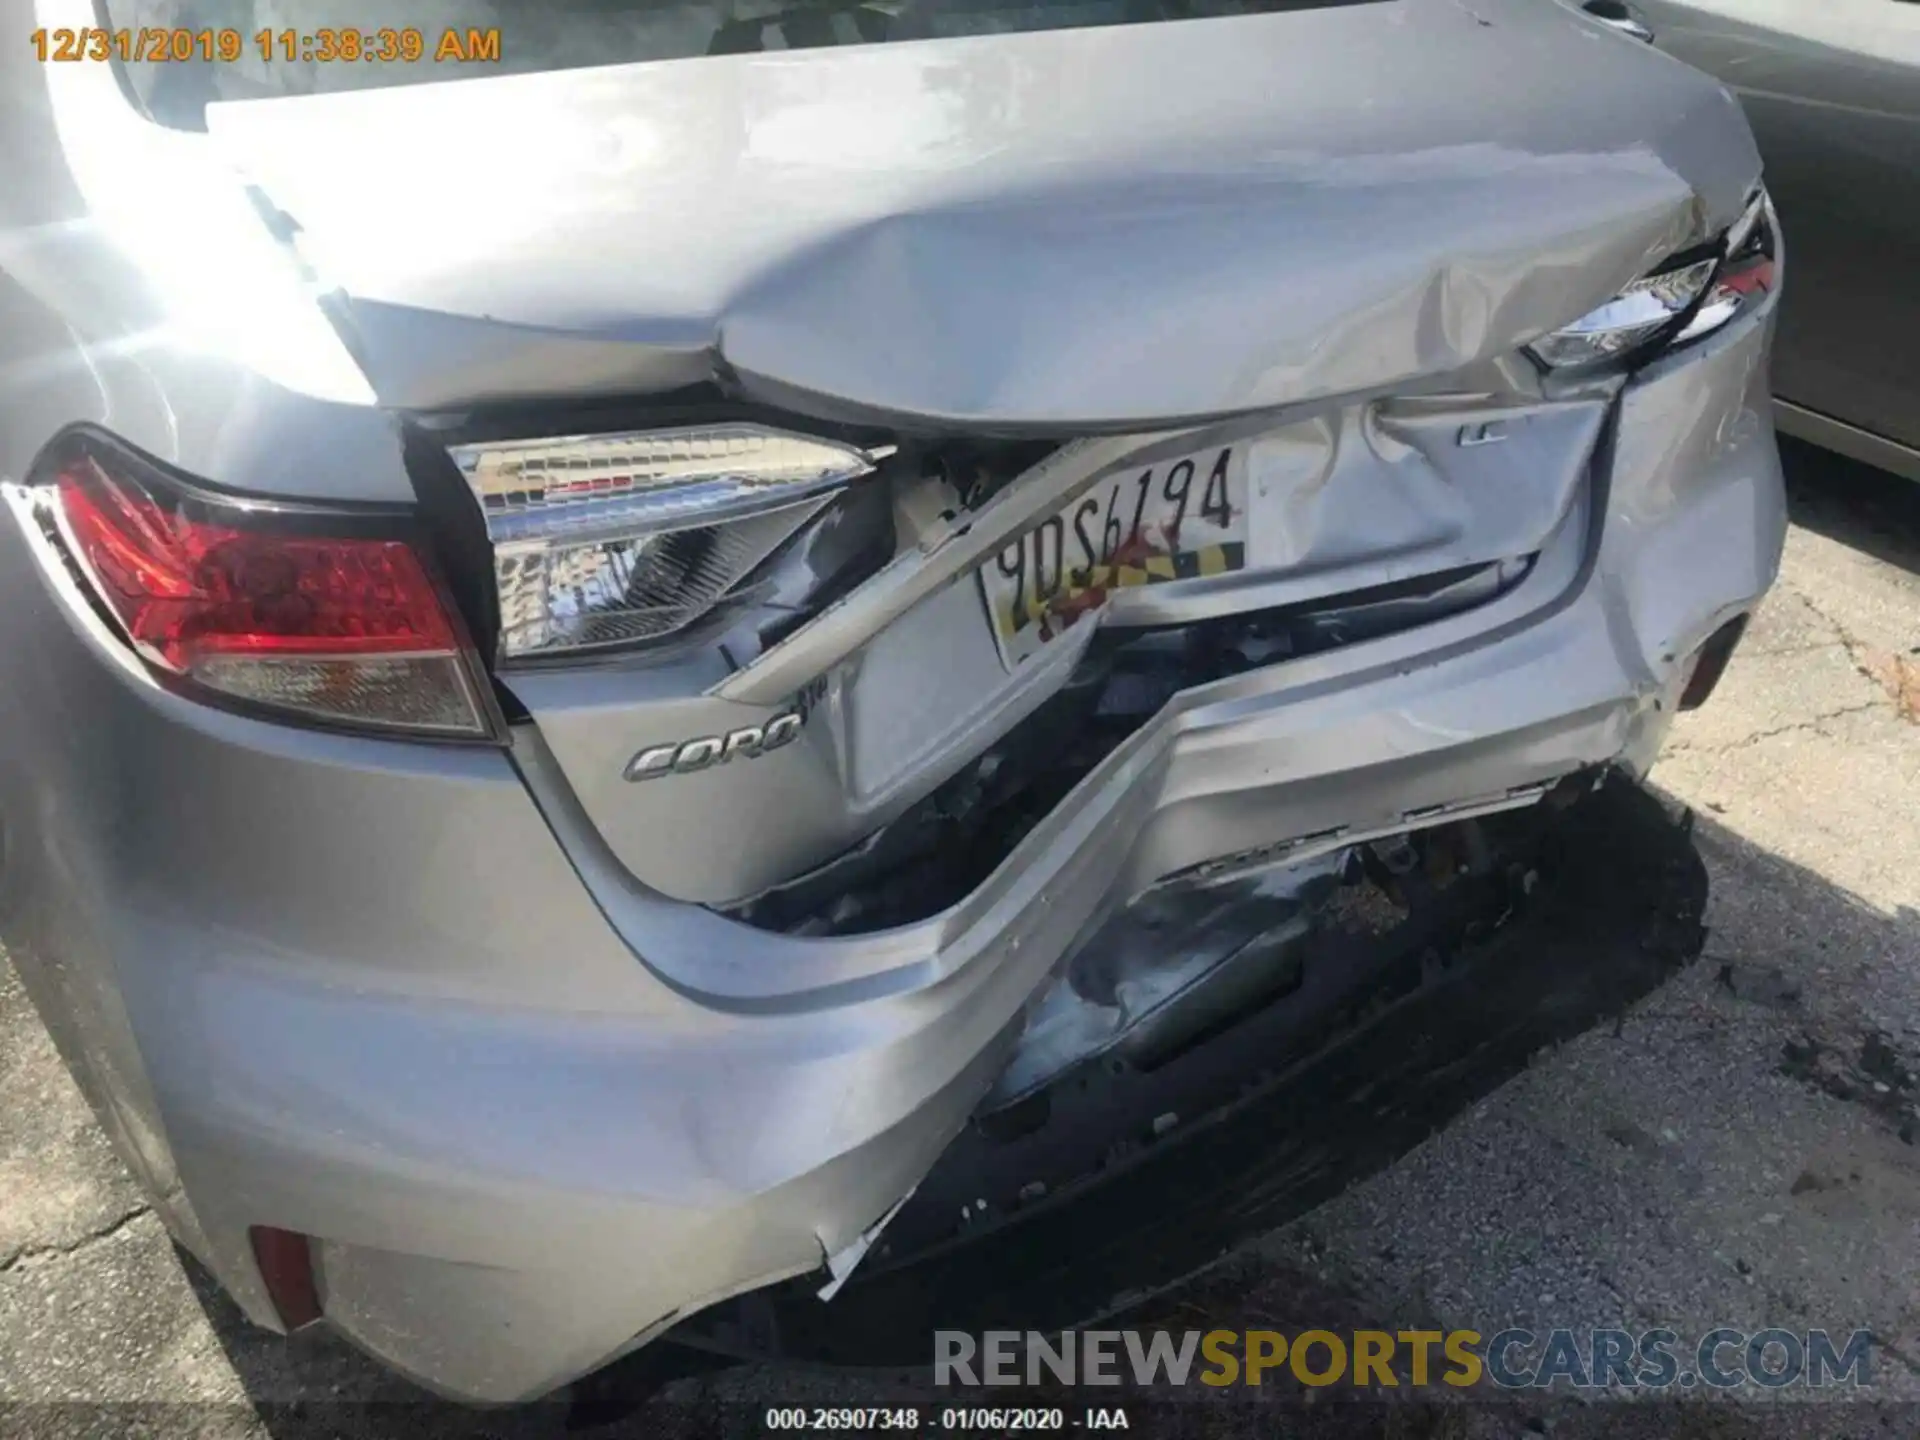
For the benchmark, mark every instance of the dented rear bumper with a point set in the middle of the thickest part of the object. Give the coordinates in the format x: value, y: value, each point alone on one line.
x: 532, y: 1114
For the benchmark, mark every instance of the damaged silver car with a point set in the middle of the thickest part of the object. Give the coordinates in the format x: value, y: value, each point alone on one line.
x: 604, y: 654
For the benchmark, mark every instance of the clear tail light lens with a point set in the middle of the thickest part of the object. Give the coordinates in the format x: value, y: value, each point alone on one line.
x: 1747, y: 276
x: 283, y: 608
x: 1630, y: 319
x: 613, y: 540
x: 1681, y: 302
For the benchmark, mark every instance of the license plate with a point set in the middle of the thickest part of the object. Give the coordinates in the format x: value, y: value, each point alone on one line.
x: 1174, y: 520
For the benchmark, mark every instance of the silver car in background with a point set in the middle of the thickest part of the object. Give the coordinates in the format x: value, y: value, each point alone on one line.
x: 1832, y: 88
x: 588, y: 652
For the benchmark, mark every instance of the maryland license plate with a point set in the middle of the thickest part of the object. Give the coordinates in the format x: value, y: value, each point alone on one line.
x: 1171, y: 521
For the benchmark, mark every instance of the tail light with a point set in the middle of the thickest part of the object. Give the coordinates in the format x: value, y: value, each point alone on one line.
x: 616, y: 541
x: 1749, y: 273
x: 1680, y: 302
x: 334, y: 617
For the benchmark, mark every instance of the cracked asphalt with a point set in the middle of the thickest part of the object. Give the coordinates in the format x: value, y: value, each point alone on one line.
x: 1737, y: 1150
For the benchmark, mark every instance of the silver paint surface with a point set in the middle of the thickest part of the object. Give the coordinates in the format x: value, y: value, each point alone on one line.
x: 450, y: 1011
x: 1032, y: 229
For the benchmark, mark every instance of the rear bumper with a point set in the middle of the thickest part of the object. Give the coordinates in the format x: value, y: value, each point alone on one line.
x: 393, y: 998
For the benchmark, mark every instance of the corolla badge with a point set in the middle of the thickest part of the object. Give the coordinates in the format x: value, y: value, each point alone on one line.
x: 703, y: 752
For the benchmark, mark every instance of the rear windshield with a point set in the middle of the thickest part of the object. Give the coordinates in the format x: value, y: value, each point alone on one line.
x: 181, y: 55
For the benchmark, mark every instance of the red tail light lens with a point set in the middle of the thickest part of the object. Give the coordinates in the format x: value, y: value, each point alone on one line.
x: 281, y: 608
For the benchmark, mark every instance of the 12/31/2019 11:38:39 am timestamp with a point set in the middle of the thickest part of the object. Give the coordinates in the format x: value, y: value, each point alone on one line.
x: 401, y: 45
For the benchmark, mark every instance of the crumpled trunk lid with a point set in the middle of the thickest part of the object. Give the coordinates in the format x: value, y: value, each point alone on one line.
x: 1070, y: 229
x: 1141, y: 230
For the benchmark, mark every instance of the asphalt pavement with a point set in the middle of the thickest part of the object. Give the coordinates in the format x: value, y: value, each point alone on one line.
x: 1737, y: 1149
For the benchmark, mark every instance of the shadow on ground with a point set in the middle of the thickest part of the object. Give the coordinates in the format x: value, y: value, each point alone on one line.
x: 1862, y: 508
